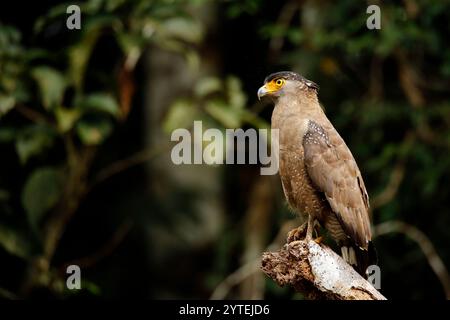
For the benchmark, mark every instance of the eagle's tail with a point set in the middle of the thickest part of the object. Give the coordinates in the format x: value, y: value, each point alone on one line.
x: 360, y: 259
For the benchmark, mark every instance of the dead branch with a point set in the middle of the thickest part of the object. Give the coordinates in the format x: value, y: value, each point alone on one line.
x: 250, y: 267
x: 7, y: 295
x: 409, y: 81
x: 234, y: 279
x: 106, y: 250
x: 425, y: 245
x: 33, y: 115
x: 317, y: 272
x: 396, y: 177
x: 390, y: 191
x: 129, y: 162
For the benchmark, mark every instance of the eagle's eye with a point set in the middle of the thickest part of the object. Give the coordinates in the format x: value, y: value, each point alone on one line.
x: 279, y: 82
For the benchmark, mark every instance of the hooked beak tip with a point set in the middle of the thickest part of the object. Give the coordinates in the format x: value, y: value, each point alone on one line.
x: 262, y: 92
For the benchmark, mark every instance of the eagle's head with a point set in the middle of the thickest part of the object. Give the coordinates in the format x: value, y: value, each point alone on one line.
x: 285, y: 82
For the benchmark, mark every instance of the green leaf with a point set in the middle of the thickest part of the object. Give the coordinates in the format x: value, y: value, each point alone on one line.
x: 236, y: 96
x: 112, y: 5
x: 92, y: 7
x: 181, y: 115
x: 101, y: 102
x: 35, y: 54
x: 6, y: 104
x: 254, y: 120
x: 52, y: 85
x: 228, y: 117
x: 33, y: 141
x: 93, y: 132
x: 183, y: 29
x: 79, y: 56
x: 8, y: 35
x: 129, y: 41
x: 91, y: 287
x: 206, y: 86
x: 55, y: 12
x: 14, y: 242
x: 66, y: 118
x: 7, y: 134
x: 80, y: 53
x: 42, y: 191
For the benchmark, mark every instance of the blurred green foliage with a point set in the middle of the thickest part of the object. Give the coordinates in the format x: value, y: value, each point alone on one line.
x: 63, y: 102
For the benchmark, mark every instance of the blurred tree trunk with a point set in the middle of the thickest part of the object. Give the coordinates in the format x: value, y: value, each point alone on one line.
x: 170, y: 76
x: 257, y: 223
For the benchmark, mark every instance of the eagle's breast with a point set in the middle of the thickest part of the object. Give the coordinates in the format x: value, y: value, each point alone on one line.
x: 298, y: 188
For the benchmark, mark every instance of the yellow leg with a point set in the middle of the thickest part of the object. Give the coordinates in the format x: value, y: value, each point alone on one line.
x: 309, y: 231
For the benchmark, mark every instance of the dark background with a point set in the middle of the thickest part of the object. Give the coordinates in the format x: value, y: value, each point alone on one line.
x: 85, y: 171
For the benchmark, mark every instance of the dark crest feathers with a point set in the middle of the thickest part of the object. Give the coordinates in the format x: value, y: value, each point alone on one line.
x: 289, y: 75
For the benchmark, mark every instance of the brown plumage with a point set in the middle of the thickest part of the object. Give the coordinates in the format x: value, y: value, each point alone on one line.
x: 319, y: 175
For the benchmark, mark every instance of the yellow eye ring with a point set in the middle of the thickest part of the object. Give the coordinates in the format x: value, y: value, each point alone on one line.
x: 279, y: 82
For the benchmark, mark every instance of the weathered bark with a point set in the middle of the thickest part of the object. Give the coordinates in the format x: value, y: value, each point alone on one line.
x: 317, y: 272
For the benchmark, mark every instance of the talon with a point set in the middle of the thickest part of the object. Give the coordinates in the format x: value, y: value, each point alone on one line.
x: 294, y: 242
x: 296, y: 234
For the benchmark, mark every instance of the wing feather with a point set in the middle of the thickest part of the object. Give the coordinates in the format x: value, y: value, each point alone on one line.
x: 333, y: 170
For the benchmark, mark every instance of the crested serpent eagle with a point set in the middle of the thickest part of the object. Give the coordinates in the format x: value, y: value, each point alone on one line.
x: 319, y: 175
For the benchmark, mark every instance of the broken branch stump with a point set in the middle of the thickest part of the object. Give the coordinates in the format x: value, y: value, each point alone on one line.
x: 317, y: 272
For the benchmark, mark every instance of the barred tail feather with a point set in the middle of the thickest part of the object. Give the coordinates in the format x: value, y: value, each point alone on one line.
x: 359, y: 258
